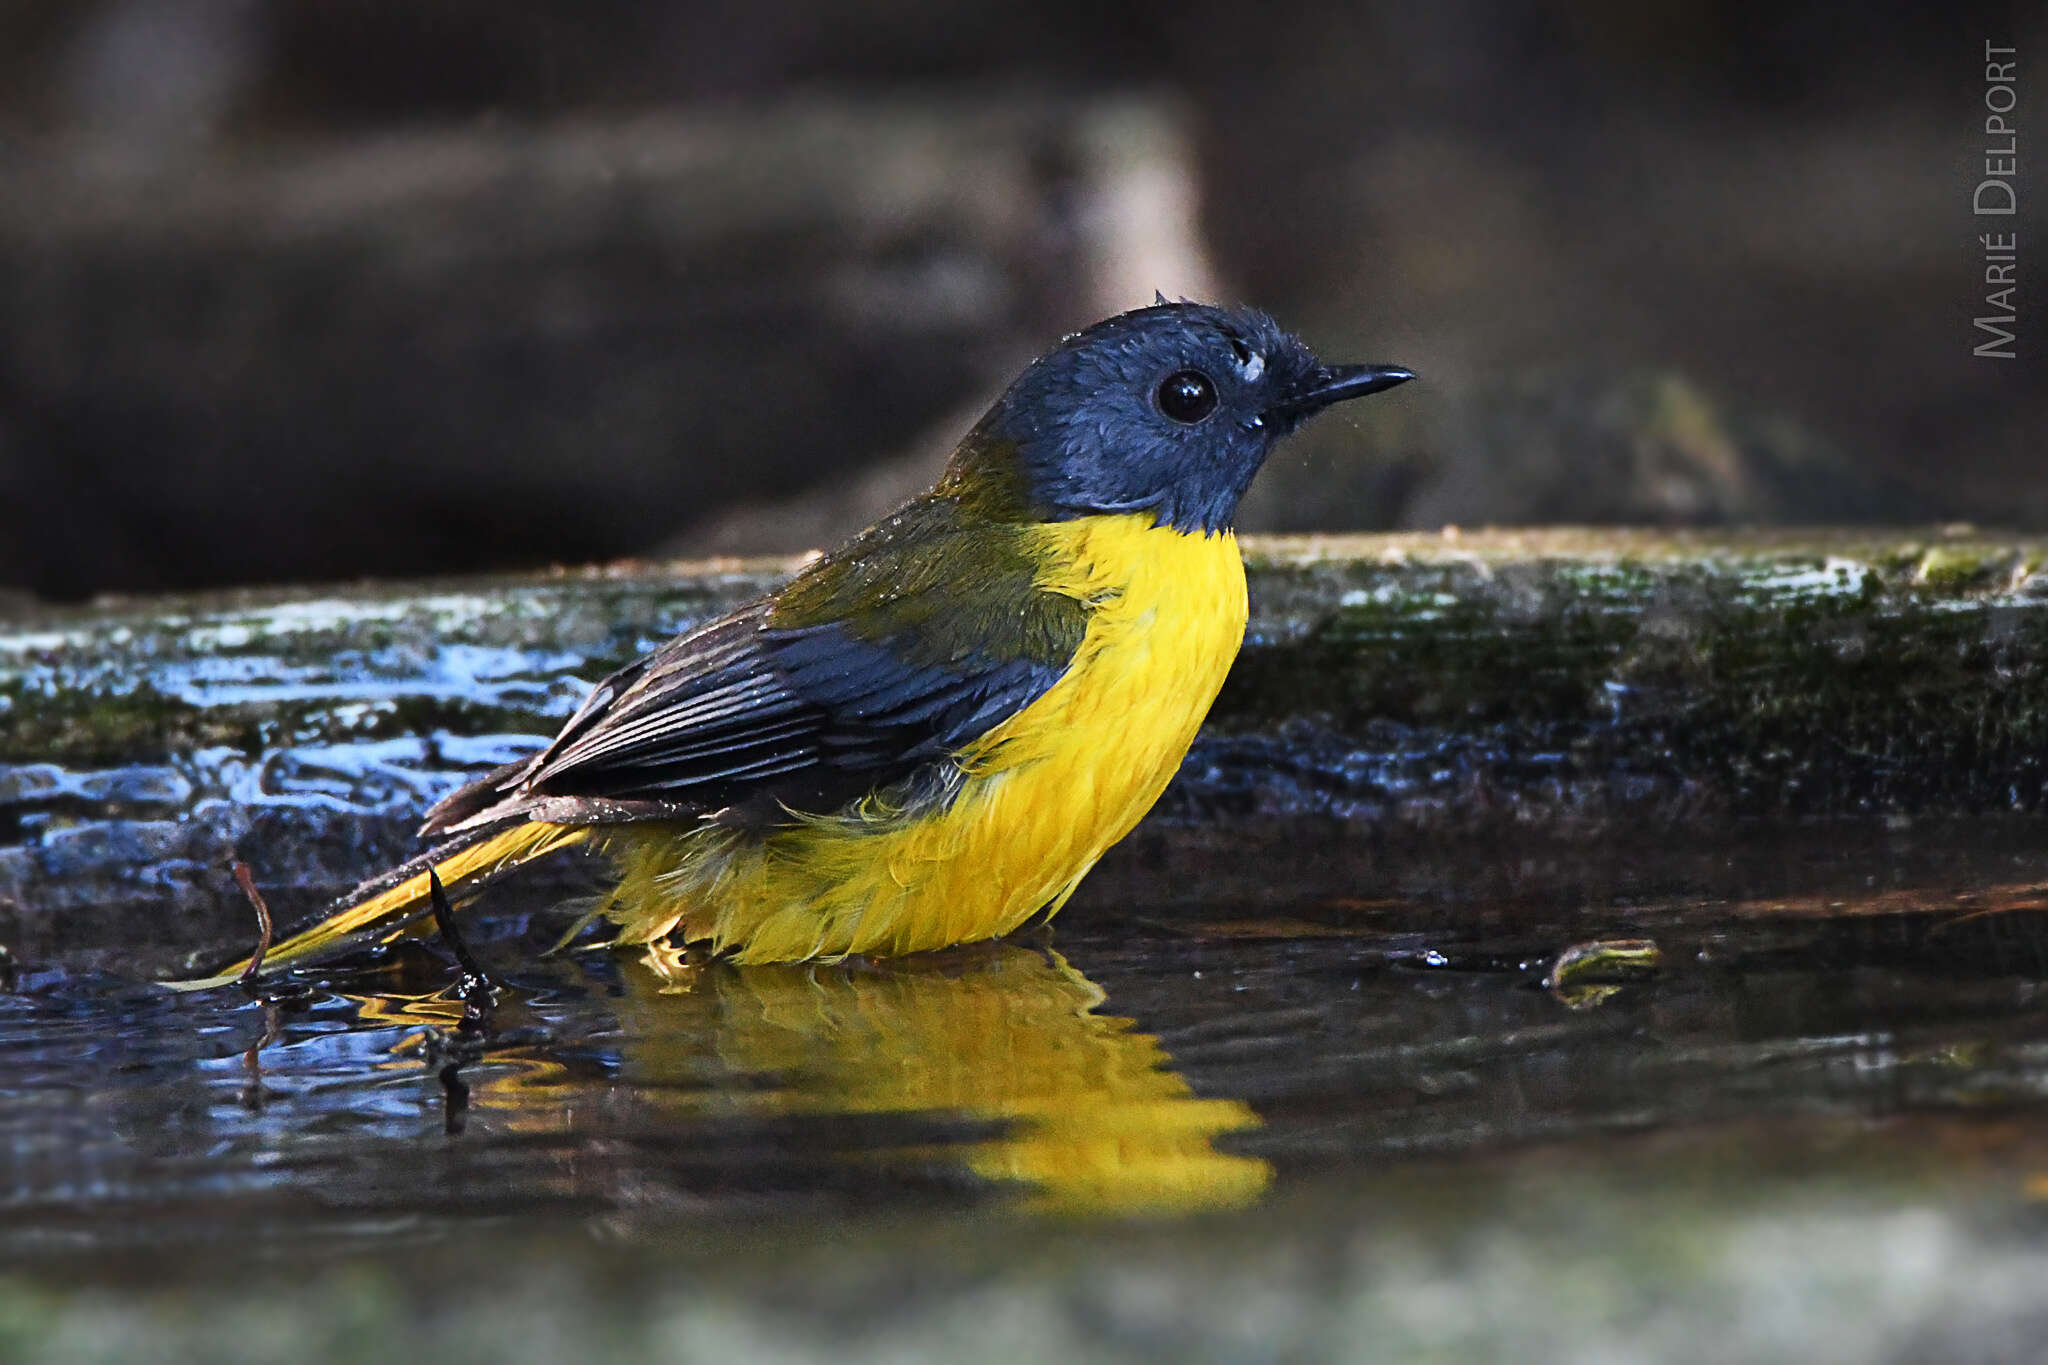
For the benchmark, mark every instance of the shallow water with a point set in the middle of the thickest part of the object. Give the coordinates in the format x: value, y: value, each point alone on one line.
x: 1856, y: 1001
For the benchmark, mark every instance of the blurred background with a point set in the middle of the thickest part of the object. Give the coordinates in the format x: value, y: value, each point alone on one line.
x: 317, y: 289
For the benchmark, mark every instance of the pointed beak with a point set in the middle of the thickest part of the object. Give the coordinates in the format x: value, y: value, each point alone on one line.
x: 1335, y: 383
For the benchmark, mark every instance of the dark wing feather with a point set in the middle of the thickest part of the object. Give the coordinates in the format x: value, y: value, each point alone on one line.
x: 903, y: 647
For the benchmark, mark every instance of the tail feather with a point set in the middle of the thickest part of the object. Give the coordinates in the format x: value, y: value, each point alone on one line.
x: 382, y: 907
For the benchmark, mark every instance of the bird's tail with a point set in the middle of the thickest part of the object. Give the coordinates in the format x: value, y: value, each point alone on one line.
x: 381, y: 908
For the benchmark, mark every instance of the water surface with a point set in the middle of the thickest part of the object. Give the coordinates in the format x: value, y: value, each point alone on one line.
x: 1841, y: 1001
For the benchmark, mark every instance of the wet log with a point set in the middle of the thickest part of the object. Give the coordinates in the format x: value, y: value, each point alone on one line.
x: 1572, y: 688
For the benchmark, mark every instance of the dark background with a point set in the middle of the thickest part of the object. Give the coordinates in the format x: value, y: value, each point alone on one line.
x: 298, y: 289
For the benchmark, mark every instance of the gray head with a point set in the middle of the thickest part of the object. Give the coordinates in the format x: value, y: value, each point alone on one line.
x: 1168, y: 410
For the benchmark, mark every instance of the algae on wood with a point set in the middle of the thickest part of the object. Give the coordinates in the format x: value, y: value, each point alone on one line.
x: 1570, y: 678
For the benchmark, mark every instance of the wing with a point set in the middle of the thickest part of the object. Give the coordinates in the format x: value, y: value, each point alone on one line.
x: 903, y: 646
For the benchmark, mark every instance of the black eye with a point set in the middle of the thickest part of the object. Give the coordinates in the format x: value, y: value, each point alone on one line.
x: 1187, y: 396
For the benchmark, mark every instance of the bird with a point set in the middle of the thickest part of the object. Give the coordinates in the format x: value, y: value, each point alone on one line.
x: 932, y: 732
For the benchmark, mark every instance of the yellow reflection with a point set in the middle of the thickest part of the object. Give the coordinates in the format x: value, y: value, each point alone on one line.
x: 1095, y: 1118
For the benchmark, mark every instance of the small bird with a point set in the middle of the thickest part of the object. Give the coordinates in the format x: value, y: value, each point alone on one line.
x: 932, y: 732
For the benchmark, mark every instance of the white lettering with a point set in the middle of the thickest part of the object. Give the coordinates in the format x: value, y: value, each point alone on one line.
x: 2000, y: 338
x: 2001, y: 187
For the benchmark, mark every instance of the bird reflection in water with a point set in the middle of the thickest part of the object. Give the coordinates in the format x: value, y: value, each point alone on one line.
x: 1075, y: 1110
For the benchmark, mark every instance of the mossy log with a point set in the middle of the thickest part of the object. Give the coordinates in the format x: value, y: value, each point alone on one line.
x: 1571, y: 685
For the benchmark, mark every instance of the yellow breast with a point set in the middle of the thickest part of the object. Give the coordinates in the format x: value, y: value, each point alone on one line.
x: 1045, y: 793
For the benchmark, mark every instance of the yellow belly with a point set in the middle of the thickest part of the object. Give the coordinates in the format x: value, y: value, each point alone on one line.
x: 1044, y: 794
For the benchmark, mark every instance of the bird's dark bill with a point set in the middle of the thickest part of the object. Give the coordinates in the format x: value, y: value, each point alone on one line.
x: 1337, y: 383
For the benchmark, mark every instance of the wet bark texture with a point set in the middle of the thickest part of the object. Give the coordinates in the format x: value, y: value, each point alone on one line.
x: 1570, y: 686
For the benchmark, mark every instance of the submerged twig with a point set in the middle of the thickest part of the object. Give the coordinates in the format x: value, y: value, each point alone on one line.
x: 247, y: 881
